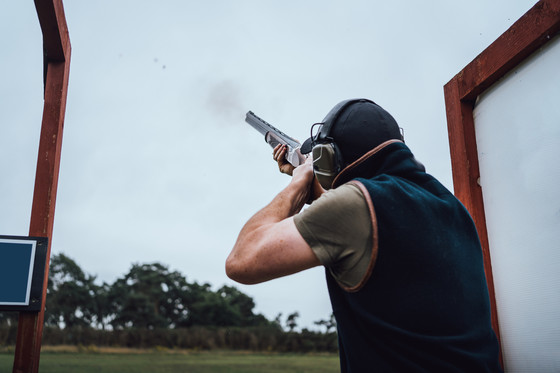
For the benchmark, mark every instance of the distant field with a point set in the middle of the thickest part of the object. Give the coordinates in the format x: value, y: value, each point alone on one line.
x: 170, y: 361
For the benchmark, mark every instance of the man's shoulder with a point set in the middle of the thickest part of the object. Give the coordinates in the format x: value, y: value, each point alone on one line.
x: 337, y: 207
x: 338, y: 228
x: 345, y: 194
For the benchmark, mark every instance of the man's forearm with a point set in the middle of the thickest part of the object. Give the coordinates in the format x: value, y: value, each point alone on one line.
x: 286, y: 203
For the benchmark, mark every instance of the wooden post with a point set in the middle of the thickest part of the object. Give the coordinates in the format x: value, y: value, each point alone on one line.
x: 56, y: 45
x: 524, y: 37
x: 464, y: 163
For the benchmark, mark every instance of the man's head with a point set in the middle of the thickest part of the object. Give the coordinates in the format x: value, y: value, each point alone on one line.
x: 351, y: 129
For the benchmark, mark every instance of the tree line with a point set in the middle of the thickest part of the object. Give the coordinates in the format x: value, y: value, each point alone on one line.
x: 164, y: 308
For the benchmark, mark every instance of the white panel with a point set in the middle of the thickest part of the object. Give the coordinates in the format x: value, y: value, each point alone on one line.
x: 517, y: 125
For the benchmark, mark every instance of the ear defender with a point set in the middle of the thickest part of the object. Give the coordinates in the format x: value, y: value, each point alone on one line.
x: 327, y: 158
x: 323, y: 164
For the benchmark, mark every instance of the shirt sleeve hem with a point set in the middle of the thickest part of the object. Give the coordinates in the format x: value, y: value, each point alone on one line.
x: 374, y: 249
x: 321, y: 254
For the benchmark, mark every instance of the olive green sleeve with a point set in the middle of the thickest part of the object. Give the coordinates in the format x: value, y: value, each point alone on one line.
x: 338, y: 228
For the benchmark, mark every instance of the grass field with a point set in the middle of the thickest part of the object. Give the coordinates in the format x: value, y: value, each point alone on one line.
x: 94, y: 360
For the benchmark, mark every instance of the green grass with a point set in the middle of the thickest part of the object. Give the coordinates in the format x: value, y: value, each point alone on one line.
x: 178, y: 361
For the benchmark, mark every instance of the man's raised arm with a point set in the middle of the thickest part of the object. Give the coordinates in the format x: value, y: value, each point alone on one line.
x: 269, y: 245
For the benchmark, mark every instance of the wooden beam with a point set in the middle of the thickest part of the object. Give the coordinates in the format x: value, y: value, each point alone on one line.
x: 524, y: 37
x: 464, y: 164
x: 30, y: 325
x: 56, y: 45
x: 56, y: 41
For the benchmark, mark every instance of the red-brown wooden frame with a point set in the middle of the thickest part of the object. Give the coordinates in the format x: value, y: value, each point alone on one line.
x: 540, y: 24
x: 56, y: 49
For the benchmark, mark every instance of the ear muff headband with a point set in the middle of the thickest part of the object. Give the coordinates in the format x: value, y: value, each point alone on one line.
x: 332, y: 116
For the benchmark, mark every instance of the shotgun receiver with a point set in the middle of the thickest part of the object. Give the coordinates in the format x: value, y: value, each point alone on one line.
x: 273, y: 136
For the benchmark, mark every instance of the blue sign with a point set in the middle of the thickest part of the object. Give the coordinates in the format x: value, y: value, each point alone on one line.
x: 17, y: 258
x: 22, y: 269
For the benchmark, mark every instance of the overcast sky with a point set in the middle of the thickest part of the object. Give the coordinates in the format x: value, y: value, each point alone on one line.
x: 157, y: 161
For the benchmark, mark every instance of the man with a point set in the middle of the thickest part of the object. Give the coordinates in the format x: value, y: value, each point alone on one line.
x: 403, y: 261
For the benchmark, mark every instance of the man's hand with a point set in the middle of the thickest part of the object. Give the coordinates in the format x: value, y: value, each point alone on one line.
x: 303, y: 172
x: 279, y: 155
x: 305, y: 175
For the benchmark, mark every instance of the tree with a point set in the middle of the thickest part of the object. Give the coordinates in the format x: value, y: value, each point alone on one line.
x: 70, y: 294
x: 278, y: 321
x: 149, y: 296
x: 208, y: 308
x: 100, y: 307
x: 225, y: 307
x: 328, y: 324
x: 243, y: 306
x: 291, y: 321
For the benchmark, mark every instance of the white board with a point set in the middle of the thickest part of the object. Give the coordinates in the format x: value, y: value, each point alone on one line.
x: 517, y: 124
